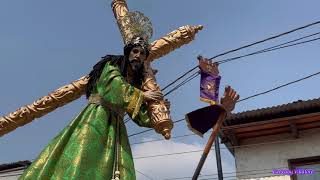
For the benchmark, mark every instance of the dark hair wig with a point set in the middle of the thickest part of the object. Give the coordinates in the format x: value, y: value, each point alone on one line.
x: 95, y: 73
x: 122, y: 62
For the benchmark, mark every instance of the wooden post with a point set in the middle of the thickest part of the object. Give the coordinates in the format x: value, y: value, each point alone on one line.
x: 207, y: 149
x: 218, y: 158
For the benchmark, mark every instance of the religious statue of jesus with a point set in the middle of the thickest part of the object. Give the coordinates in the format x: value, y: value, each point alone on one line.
x: 95, y: 144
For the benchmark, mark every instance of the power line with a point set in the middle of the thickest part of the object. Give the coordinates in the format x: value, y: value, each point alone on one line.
x: 246, y: 46
x: 194, y: 75
x: 152, y: 129
x: 278, y: 87
x: 194, y: 151
x: 144, y: 175
x: 234, y: 50
x: 140, y: 132
x: 249, y: 45
x: 273, y: 48
x: 180, y: 77
x: 183, y: 82
x: 174, y: 137
x: 265, y: 92
x: 126, y: 120
x: 168, y: 154
x: 239, y: 146
x: 267, y: 39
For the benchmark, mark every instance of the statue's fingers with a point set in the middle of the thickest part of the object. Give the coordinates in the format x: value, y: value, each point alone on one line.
x: 230, y: 92
x: 159, y: 96
x: 237, y: 97
x: 157, y: 93
x: 215, y: 65
x: 233, y: 93
x: 227, y: 90
x: 156, y: 98
x: 151, y: 98
x: 215, y: 70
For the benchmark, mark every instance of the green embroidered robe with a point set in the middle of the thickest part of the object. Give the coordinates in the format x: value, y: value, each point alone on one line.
x: 85, y: 149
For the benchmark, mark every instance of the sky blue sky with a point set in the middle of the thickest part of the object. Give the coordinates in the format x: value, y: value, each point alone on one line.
x: 46, y: 44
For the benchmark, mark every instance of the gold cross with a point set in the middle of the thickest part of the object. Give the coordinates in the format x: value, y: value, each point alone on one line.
x: 76, y: 89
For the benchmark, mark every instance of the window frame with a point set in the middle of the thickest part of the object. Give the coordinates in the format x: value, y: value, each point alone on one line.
x: 293, y: 163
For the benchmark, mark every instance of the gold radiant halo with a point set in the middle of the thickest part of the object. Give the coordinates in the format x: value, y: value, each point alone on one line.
x: 135, y: 24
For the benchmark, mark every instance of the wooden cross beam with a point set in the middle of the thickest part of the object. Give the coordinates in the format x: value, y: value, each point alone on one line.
x: 76, y: 89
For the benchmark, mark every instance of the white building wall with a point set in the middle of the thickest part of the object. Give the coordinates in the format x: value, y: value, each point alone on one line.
x: 257, y: 161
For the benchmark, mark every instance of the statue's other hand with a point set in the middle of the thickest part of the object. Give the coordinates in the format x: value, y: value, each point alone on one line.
x: 152, y: 95
x: 229, y: 99
x: 208, y: 66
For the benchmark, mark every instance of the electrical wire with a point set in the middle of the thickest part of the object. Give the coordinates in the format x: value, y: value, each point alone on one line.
x: 246, y: 46
x: 144, y: 174
x: 183, y: 82
x: 155, y: 140
x: 278, y: 87
x: 277, y: 47
x: 180, y: 77
x: 265, y: 92
x: 273, y: 48
x: 152, y: 129
x: 195, y: 151
x: 228, y: 60
x: 267, y: 39
x: 194, y: 75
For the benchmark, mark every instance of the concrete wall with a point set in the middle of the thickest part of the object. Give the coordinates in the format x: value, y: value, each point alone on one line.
x: 257, y: 161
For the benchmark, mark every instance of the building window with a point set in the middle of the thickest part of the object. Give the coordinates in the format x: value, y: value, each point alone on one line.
x: 305, y: 168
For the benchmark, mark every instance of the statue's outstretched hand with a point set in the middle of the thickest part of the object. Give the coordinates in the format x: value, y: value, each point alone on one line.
x: 208, y: 66
x: 229, y: 99
x: 152, y: 95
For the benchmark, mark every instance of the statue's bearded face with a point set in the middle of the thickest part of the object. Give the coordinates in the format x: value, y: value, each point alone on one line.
x: 136, y: 57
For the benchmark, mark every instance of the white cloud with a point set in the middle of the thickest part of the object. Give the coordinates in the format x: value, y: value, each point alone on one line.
x: 181, y: 165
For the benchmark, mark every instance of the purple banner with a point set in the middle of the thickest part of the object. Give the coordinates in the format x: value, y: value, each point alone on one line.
x: 209, y: 88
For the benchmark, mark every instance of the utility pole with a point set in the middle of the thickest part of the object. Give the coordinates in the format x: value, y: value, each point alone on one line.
x: 218, y: 158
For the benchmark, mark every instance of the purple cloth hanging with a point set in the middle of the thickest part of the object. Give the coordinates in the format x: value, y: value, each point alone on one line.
x: 209, y: 87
